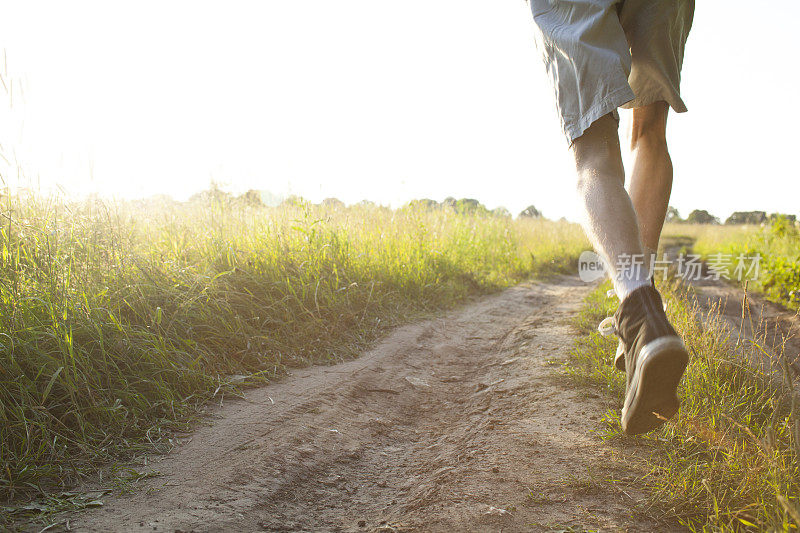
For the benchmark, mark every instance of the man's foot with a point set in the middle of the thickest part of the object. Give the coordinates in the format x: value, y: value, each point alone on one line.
x: 654, y: 361
x: 619, y: 356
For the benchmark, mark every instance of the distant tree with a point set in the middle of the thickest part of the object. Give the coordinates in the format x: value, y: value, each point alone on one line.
x: 366, y: 204
x: 423, y: 203
x: 449, y: 202
x: 747, y: 217
x: 701, y: 216
x: 672, y: 215
x: 251, y: 198
x: 530, y: 212
x: 211, y: 195
x: 470, y: 206
x: 501, y: 212
x: 333, y: 203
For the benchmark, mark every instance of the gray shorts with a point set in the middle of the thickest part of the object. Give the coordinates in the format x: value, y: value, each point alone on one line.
x: 605, y: 54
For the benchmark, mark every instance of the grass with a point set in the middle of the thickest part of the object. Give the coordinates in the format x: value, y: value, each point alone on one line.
x: 119, y: 321
x: 730, y: 461
x: 777, y: 244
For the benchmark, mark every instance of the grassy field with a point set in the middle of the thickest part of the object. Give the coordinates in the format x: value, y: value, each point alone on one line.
x: 730, y: 462
x: 118, y: 322
x: 778, y: 245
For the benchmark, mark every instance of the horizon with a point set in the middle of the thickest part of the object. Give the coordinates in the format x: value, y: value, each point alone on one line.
x: 275, y: 200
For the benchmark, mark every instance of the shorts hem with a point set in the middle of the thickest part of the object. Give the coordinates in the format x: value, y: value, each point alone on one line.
x: 607, y: 105
x: 673, y: 100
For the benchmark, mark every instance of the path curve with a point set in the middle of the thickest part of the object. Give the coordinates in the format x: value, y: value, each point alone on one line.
x: 459, y: 423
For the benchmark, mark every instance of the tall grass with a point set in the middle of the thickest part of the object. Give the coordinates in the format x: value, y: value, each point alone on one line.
x: 118, y: 320
x: 730, y: 460
x: 777, y: 244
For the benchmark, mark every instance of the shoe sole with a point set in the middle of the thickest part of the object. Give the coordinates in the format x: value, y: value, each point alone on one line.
x: 652, y: 394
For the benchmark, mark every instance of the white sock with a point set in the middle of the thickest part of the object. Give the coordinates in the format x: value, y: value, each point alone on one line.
x: 634, y: 275
x: 623, y: 286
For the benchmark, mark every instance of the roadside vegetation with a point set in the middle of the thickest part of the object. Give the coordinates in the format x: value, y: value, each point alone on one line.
x: 730, y: 460
x: 776, y: 241
x: 119, y: 321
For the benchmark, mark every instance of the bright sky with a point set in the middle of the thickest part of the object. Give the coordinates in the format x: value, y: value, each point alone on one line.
x: 370, y: 99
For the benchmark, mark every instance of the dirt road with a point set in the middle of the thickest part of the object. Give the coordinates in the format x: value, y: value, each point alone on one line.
x: 461, y: 423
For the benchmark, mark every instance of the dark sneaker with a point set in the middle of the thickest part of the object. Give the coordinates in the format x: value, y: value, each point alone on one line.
x: 655, y: 359
x: 619, y: 356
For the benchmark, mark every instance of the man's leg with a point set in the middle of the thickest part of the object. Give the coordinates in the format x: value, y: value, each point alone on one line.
x: 651, y: 179
x: 651, y: 182
x: 609, y: 218
x: 655, y: 356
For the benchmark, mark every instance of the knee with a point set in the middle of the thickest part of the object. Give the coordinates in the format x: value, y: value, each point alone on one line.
x: 650, y: 139
x: 649, y: 127
x: 597, y: 151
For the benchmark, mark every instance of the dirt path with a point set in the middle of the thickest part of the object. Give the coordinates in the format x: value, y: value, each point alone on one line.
x: 460, y: 423
x: 775, y: 328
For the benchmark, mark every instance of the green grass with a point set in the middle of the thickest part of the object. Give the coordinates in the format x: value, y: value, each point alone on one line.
x: 730, y: 461
x: 777, y: 243
x: 118, y: 321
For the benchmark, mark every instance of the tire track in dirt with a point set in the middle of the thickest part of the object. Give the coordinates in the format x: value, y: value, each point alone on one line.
x: 460, y: 423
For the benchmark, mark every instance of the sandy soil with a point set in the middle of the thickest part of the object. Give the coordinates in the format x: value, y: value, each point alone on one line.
x: 460, y: 423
